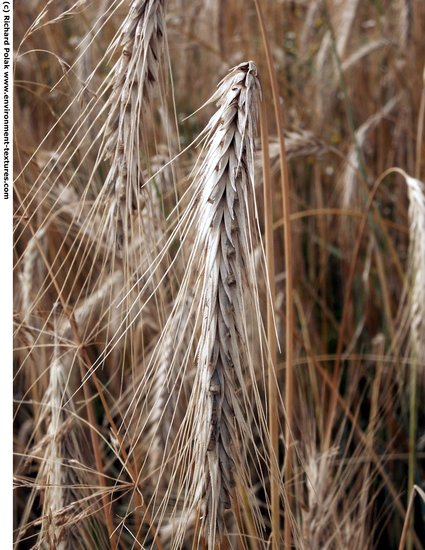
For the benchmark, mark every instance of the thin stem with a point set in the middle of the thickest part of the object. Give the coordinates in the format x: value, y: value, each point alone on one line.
x: 289, y: 373
x: 420, y: 132
x: 413, y: 419
x: 271, y: 333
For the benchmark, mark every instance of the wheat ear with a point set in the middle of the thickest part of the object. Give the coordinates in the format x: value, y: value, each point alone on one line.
x: 62, y: 470
x: 166, y: 382
x: 224, y: 409
x: 226, y: 257
x: 136, y: 73
x: 416, y: 193
x: 55, y: 494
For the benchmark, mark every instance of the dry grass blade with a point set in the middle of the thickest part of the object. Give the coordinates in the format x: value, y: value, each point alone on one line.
x: 416, y: 490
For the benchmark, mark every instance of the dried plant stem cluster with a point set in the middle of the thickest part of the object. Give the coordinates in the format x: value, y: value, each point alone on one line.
x: 190, y: 393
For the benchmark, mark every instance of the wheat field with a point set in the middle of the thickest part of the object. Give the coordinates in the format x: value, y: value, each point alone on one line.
x: 219, y: 274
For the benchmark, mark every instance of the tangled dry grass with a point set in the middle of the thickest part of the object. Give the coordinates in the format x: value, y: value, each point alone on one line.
x: 219, y: 274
